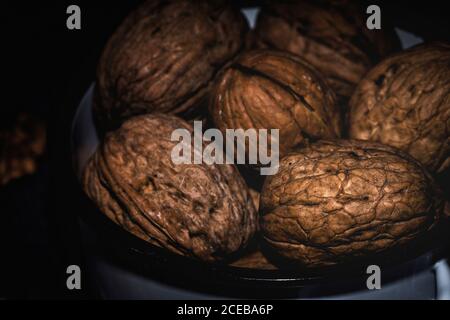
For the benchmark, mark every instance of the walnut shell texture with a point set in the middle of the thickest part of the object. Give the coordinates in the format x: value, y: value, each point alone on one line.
x: 331, y: 35
x: 267, y: 89
x: 198, y: 210
x: 22, y: 144
x: 254, y: 260
x: 164, y: 56
x: 405, y: 102
x: 339, y: 201
x: 255, y: 197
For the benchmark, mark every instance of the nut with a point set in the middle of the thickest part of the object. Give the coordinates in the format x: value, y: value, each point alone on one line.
x: 22, y: 144
x: 339, y: 201
x: 164, y: 56
x: 254, y: 260
x: 267, y: 89
x: 331, y: 35
x: 255, y: 195
x: 405, y: 102
x: 197, y: 210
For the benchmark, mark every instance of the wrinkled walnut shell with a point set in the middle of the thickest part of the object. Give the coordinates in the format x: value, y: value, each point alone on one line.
x: 340, y: 201
x: 255, y: 195
x: 254, y: 260
x: 405, y: 102
x: 266, y: 89
x: 197, y: 210
x: 164, y: 56
x: 22, y: 144
x: 331, y: 35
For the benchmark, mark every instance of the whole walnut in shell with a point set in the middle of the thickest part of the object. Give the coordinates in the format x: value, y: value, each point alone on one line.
x: 331, y: 35
x: 266, y: 89
x: 339, y: 201
x: 405, y: 102
x: 198, y: 210
x: 164, y: 56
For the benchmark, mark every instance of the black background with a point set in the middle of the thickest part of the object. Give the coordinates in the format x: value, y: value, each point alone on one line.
x: 48, y: 69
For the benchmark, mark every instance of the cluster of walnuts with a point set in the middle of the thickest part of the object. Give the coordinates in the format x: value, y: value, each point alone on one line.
x: 363, y: 131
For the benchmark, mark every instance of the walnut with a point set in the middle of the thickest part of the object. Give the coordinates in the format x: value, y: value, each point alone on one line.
x: 266, y: 89
x: 22, y: 144
x: 405, y: 102
x: 198, y: 210
x: 254, y: 260
x: 164, y: 56
x: 255, y: 195
x: 340, y: 201
x: 331, y: 35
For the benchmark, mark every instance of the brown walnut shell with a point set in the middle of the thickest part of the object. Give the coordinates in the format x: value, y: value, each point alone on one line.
x: 266, y: 89
x: 331, y: 35
x: 198, y: 210
x: 164, y: 56
x: 340, y: 201
x: 22, y: 144
x: 255, y: 197
x: 254, y: 260
x: 405, y: 102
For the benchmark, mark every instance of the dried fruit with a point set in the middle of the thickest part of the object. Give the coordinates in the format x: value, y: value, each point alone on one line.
x: 331, y: 35
x: 405, y: 102
x: 267, y: 89
x: 197, y: 210
x: 339, y: 201
x: 164, y: 57
x: 22, y: 143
